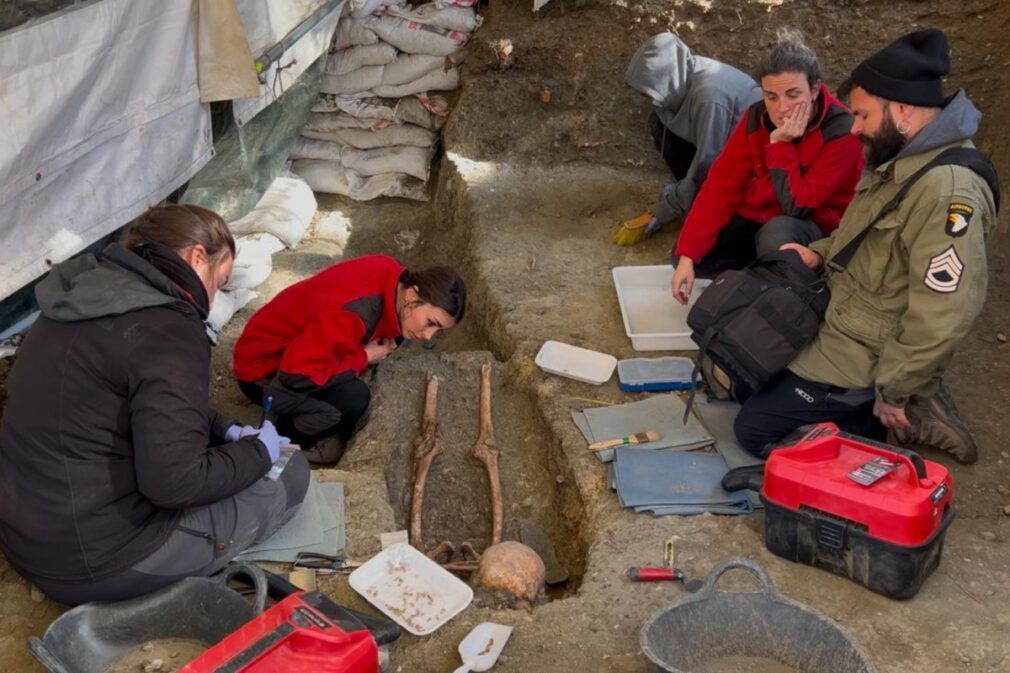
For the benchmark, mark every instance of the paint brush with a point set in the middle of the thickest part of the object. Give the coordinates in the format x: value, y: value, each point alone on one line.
x: 630, y: 440
x: 267, y: 403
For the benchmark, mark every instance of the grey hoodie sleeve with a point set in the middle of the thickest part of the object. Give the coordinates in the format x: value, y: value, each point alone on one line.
x: 715, y: 122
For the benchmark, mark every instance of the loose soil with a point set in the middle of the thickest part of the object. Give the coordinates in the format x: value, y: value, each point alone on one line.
x: 527, y: 196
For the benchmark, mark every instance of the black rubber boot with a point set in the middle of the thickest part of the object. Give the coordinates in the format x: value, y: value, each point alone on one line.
x: 746, y: 477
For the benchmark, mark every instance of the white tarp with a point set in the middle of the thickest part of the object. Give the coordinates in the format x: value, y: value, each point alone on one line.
x: 267, y: 22
x: 102, y: 119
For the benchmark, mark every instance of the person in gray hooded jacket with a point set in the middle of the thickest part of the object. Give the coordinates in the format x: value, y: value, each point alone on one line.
x: 698, y: 102
x: 116, y: 478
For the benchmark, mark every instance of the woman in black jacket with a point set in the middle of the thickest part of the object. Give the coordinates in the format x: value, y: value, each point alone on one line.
x: 116, y: 478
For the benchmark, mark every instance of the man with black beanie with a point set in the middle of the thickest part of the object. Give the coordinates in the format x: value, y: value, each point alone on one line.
x: 917, y: 281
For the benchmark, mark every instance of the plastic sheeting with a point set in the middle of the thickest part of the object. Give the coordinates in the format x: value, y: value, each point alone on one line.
x: 17, y: 12
x: 268, y: 22
x: 249, y: 158
x: 103, y: 120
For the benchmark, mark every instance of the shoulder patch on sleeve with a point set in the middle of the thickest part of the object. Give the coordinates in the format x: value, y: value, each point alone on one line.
x: 943, y: 274
x: 958, y: 219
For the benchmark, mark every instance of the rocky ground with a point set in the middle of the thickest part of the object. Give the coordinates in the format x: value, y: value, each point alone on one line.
x: 527, y: 195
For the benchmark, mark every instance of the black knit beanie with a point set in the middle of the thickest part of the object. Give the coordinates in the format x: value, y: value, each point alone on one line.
x: 908, y: 70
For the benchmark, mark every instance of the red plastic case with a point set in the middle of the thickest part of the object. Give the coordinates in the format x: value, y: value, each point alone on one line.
x: 887, y: 536
x: 304, y: 633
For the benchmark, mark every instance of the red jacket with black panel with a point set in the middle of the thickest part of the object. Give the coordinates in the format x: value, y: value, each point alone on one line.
x: 811, y: 178
x: 313, y: 333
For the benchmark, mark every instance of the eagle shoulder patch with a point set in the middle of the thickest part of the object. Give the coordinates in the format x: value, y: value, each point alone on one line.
x: 958, y: 219
x: 943, y: 274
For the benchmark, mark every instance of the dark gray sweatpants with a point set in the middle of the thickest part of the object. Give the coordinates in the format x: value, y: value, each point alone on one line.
x: 205, y: 540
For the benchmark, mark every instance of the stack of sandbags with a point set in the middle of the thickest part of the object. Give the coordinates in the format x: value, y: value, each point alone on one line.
x: 279, y: 220
x: 375, y: 128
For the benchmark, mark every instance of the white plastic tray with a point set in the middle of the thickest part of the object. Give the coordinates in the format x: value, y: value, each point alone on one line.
x: 653, y: 319
x: 576, y: 363
x: 411, y: 589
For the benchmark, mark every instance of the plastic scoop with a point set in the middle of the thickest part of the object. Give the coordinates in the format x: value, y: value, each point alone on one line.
x: 481, y: 647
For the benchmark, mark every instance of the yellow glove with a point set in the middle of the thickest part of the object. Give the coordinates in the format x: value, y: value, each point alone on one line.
x: 631, y: 232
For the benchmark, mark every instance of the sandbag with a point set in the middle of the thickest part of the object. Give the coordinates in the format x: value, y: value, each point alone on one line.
x: 462, y: 19
x: 410, y: 68
x: 369, y: 108
x: 253, y: 263
x: 308, y: 148
x: 417, y: 38
x: 414, y: 161
x: 352, y: 32
x: 362, y: 79
x: 363, y: 8
x: 428, y: 112
x: 346, y: 121
x: 391, y: 136
x: 329, y: 122
x: 331, y: 177
x: 348, y: 60
x: 226, y: 304
x: 437, y: 80
x: 285, y: 210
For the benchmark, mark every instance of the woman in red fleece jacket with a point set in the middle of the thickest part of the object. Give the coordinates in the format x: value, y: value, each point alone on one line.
x: 308, y: 347
x: 786, y: 174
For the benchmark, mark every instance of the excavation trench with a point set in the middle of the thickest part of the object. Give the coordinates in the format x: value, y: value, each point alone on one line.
x: 536, y: 482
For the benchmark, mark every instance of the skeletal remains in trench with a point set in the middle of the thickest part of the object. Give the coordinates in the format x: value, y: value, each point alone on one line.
x: 509, y: 567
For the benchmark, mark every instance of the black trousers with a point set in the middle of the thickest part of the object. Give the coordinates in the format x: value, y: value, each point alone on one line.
x: 735, y: 248
x: 350, y: 398
x: 791, y: 401
x: 676, y: 152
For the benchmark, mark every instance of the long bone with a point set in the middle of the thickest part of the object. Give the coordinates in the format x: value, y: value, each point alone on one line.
x: 427, y: 446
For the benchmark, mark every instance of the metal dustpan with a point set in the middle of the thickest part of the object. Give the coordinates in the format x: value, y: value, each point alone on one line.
x: 90, y: 637
x: 715, y: 627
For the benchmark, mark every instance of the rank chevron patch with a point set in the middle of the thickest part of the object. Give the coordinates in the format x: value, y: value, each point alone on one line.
x: 944, y: 272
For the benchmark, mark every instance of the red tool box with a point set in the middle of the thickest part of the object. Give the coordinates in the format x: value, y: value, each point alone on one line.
x: 871, y: 512
x: 304, y: 633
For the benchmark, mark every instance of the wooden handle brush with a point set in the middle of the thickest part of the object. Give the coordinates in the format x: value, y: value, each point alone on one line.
x: 630, y: 440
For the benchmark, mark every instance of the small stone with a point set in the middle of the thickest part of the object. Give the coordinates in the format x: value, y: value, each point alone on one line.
x: 545, y: 96
x: 154, y: 665
x: 560, y: 478
x: 1006, y: 510
x: 965, y: 659
x: 1000, y: 337
x: 1005, y: 454
x: 1003, y: 490
x: 147, y: 647
x: 988, y: 535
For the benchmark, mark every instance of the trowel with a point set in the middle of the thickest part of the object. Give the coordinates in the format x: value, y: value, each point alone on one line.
x: 481, y: 647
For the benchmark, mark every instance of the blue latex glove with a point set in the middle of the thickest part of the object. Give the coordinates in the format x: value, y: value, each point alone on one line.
x: 233, y: 433
x: 268, y: 437
x: 669, y: 189
x: 653, y: 226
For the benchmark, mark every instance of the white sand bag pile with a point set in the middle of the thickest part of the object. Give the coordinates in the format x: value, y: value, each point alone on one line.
x: 376, y: 115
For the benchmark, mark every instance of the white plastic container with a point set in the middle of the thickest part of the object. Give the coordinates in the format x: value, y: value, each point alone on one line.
x: 576, y: 363
x: 653, y: 319
x: 411, y: 589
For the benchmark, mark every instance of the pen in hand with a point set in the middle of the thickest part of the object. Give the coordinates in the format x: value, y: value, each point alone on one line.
x: 267, y: 403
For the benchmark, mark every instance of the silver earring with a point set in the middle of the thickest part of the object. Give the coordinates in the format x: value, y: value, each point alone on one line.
x: 903, y: 130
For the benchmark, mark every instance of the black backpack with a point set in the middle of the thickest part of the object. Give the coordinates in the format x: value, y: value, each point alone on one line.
x: 753, y: 322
